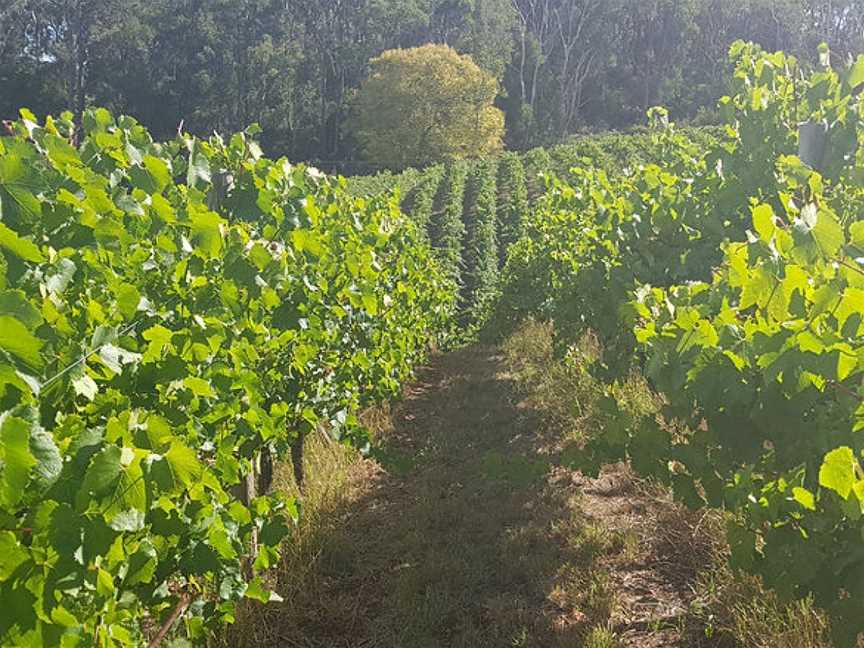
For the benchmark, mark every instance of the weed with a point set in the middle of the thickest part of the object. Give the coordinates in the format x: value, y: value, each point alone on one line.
x: 600, y: 638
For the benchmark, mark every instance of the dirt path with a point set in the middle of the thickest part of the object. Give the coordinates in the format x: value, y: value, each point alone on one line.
x: 465, y: 534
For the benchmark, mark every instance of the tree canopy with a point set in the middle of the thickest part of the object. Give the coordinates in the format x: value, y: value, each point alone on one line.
x: 564, y: 66
x: 425, y: 104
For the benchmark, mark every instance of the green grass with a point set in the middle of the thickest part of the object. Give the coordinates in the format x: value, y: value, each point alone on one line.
x: 600, y: 638
x: 736, y: 610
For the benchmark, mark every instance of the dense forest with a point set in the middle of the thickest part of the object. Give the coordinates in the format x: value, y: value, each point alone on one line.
x: 293, y: 66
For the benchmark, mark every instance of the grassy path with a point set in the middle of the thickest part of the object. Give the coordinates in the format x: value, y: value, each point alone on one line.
x: 464, y: 533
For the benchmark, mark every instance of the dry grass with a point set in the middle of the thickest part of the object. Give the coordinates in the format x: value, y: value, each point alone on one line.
x: 736, y: 610
x: 466, y: 532
x: 641, y: 538
x: 562, y: 390
x: 454, y: 537
x: 334, y: 479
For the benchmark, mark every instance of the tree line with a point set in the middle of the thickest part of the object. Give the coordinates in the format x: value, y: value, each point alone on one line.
x: 293, y: 66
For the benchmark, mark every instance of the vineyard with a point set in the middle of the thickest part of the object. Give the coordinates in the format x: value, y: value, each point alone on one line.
x: 732, y: 277
x: 176, y: 318
x: 460, y: 204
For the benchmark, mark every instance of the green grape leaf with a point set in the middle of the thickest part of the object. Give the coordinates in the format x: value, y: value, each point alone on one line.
x: 12, y: 554
x: 128, y: 520
x: 198, y: 174
x: 85, y: 386
x: 158, y: 430
x: 218, y: 538
x: 851, y: 302
x: 115, y: 357
x: 828, y: 234
x: 18, y: 459
x: 763, y: 221
x: 260, y: 256
x: 142, y: 566
x: 158, y: 171
x: 101, y: 475
x: 128, y: 299
x: 838, y: 471
x: 163, y: 209
x: 49, y: 462
x: 18, y: 246
x: 758, y: 289
x: 159, y: 338
x: 370, y: 303
x: 804, y: 497
x: 17, y: 339
x: 199, y: 387
x: 856, y: 232
x: 206, y: 234
x: 856, y: 72
x: 847, y: 361
x: 14, y: 304
x: 255, y: 590
x: 184, y: 464
x: 307, y: 241
x: 61, y: 152
x: 60, y: 276
x: 104, y: 583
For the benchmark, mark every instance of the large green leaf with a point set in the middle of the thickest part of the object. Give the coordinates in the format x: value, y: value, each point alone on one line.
x: 49, y: 461
x: 12, y: 554
x: 184, y: 464
x: 856, y: 232
x: 198, y: 174
x: 17, y: 339
x: 127, y: 505
x: 199, y: 386
x: 128, y: 299
x: 763, y: 221
x: 19, y: 179
x: 856, y: 72
x: 207, y: 234
x: 14, y: 303
x: 102, y: 474
x: 838, y: 471
x: 158, y: 171
x: 115, y: 358
x: 20, y: 247
x: 60, y: 276
x: 159, y: 339
x: 828, y: 234
x: 18, y: 460
x: 804, y: 497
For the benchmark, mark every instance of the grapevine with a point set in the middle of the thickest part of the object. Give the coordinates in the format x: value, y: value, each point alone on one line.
x: 480, y: 243
x: 731, y: 276
x: 512, y: 203
x: 169, y: 314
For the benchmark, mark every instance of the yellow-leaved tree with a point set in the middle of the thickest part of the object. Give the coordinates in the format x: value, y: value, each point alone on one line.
x: 426, y: 104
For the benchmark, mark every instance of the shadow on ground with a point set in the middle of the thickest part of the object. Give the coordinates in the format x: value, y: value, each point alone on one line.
x: 462, y: 533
